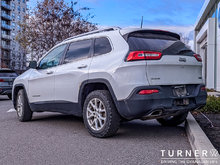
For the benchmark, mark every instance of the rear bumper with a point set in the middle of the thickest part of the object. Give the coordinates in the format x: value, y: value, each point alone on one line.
x: 5, y: 90
x: 138, y: 106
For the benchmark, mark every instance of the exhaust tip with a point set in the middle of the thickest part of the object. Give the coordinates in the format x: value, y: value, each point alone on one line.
x: 154, y: 114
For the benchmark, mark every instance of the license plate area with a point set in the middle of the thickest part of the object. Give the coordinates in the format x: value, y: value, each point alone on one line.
x: 180, y: 91
x: 181, y: 102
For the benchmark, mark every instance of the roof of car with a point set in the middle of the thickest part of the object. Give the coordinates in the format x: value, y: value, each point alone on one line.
x: 123, y: 31
x: 93, y: 32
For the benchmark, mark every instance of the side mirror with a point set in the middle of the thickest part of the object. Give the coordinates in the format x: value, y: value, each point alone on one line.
x: 33, y: 64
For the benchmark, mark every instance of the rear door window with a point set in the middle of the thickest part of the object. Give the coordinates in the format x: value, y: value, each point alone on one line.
x: 102, y: 46
x: 167, y: 45
x: 78, y: 50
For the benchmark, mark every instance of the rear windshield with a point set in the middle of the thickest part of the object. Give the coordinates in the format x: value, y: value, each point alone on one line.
x: 160, y: 43
x: 8, y: 74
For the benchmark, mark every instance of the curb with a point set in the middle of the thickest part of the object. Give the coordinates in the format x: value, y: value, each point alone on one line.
x: 199, y: 141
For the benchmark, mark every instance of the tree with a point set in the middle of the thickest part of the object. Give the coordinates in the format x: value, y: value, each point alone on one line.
x: 50, y: 23
x: 184, y: 39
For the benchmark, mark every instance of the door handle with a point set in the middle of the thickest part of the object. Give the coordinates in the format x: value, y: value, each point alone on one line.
x: 49, y: 72
x: 82, y: 66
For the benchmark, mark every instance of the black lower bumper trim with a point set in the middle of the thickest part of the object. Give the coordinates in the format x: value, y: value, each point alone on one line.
x: 137, y: 106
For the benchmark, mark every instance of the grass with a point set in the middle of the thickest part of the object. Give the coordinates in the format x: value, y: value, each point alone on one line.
x: 212, y: 105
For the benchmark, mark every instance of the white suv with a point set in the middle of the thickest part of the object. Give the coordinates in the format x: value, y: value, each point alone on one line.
x: 111, y: 75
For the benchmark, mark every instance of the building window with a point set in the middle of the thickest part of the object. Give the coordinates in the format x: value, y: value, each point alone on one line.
x: 13, y: 24
x: 24, y: 10
x: 13, y: 15
x: 19, y: 8
x: 13, y: 5
x: 23, y: 1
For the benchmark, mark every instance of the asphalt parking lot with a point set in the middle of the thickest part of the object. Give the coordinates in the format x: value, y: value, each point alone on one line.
x: 52, y: 138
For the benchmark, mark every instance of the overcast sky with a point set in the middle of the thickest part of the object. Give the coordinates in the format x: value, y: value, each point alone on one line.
x: 173, y: 15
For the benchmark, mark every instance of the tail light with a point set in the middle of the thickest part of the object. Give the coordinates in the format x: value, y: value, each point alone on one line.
x: 2, y: 80
x: 148, y: 91
x: 198, y: 57
x: 203, y: 88
x: 143, y: 55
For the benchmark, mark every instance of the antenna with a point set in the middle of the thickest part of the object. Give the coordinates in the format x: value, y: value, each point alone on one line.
x: 142, y: 18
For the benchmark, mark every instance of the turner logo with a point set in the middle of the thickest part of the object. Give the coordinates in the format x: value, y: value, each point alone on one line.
x: 189, y: 156
x: 214, y: 153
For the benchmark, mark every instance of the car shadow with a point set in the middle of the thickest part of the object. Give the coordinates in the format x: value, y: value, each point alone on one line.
x: 131, y: 129
x: 51, y: 117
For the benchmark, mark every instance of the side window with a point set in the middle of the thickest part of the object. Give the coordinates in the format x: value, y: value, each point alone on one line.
x: 102, y: 46
x: 52, y: 58
x: 78, y: 50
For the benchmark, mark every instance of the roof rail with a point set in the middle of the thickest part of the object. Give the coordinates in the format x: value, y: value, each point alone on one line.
x: 94, y: 32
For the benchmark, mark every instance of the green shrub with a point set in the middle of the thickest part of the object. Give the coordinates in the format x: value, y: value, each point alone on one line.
x: 210, y: 90
x: 212, y: 105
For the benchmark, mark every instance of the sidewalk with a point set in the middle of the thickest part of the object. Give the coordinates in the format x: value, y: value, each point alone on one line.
x: 216, y: 94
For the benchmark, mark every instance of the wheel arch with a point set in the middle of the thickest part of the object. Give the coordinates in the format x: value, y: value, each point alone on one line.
x: 16, y: 88
x: 95, y: 84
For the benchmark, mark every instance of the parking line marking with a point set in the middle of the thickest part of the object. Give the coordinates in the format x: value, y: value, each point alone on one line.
x: 11, y: 110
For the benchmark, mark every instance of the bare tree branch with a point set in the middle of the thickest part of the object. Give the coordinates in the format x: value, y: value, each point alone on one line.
x: 50, y: 23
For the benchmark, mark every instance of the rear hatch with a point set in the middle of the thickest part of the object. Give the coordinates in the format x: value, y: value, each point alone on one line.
x: 168, y: 60
x: 7, y: 78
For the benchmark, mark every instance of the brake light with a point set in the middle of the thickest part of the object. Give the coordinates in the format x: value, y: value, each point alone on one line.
x: 203, y: 88
x: 148, y: 91
x: 198, y: 57
x: 143, y: 55
x: 2, y: 80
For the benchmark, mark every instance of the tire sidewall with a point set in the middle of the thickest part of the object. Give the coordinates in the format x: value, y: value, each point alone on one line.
x: 26, y: 113
x: 176, y: 120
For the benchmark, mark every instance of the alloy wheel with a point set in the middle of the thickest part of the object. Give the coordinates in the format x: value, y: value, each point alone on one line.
x: 19, y: 106
x: 96, y: 114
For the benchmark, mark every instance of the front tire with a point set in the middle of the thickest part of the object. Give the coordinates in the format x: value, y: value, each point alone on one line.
x: 173, y: 120
x: 100, y: 115
x: 24, y: 112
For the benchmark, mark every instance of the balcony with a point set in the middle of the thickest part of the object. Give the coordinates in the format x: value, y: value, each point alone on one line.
x: 5, y: 26
x: 5, y: 36
x: 5, y: 5
x: 6, y: 16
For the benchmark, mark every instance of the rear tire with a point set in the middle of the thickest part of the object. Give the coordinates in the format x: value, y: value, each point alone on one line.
x: 173, y: 120
x: 100, y: 115
x: 24, y: 112
x: 9, y: 96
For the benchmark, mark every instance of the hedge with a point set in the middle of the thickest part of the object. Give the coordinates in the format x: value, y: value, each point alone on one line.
x: 212, y: 105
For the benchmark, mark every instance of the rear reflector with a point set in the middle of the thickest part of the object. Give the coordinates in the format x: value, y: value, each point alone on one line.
x: 143, y: 55
x: 148, y: 91
x: 1, y: 80
x: 198, y: 57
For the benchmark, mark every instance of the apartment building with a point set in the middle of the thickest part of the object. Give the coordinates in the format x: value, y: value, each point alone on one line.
x: 11, y: 54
